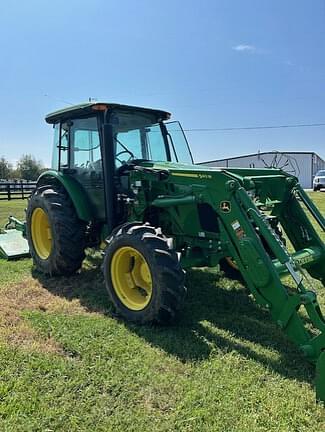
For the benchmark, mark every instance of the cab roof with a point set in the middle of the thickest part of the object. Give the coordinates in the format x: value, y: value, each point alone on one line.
x: 91, y: 108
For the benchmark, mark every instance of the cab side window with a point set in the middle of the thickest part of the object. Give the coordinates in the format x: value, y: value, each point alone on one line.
x: 60, y: 151
x: 64, y: 145
x: 55, y: 150
x: 85, y: 145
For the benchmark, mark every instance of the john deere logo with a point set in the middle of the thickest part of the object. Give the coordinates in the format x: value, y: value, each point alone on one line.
x: 225, y: 206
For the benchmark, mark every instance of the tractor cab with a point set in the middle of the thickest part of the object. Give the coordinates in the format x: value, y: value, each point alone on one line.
x: 92, y: 141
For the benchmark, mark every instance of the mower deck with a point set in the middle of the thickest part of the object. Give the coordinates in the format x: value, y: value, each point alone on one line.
x: 13, y: 245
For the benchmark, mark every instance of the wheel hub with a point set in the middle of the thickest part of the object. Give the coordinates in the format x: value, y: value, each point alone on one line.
x: 41, y: 233
x: 131, y: 278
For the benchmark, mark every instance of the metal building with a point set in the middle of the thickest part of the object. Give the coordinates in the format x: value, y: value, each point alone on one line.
x: 303, y: 165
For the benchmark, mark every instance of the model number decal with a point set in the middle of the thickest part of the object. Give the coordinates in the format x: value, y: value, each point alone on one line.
x: 204, y: 176
x: 192, y: 175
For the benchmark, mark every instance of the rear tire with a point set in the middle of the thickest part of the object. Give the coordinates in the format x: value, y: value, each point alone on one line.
x: 55, y: 235
x: 143, y: 275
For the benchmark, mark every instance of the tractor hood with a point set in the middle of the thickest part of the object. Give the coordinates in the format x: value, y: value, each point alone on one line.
x: 203, y: 172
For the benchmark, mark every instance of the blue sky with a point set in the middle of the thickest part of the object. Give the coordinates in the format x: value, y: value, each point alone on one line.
x: 212, y: 63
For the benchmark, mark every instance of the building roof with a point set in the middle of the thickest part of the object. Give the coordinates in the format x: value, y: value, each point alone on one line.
x: 260, y: 154
x: 91, y: 107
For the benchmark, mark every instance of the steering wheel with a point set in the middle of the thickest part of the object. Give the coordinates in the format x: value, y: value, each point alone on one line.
x: 121, y: 152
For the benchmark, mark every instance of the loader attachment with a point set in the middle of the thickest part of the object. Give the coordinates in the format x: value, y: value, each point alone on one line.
x: 279, y: 276
x: 13, y: 244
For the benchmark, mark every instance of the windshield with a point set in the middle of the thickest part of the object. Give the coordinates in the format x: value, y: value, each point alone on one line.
x: 138, y: 135
x: 321, y: 173
x: 179, y: 148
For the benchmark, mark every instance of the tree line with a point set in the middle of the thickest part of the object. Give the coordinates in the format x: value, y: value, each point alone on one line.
x: 27, y: 168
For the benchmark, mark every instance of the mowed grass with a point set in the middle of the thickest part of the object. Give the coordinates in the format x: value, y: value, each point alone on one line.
x: 68, y: 364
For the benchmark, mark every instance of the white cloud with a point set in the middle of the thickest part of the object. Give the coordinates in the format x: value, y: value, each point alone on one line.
x: 243, y: 47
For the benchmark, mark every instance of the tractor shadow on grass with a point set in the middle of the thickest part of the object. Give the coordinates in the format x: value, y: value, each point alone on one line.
x: 87, y: 287
x: 218, y: 317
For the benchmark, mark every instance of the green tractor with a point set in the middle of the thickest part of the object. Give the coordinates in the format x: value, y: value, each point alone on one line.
x: 124, y: 177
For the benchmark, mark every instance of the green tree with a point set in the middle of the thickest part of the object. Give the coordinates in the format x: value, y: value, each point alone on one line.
x: 5, y: 168
x: 29, y: 168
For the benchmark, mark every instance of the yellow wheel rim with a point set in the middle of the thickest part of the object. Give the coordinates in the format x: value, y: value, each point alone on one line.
x: 41, y: 233
x: 131, y: 278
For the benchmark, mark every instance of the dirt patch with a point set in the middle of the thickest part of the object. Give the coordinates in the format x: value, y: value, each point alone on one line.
x: 31, y: 295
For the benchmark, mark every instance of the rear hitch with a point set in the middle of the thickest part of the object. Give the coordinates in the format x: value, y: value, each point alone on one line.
x: 14, y: 223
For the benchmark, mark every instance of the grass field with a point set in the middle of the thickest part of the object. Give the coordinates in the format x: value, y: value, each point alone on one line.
x: 67, y: 364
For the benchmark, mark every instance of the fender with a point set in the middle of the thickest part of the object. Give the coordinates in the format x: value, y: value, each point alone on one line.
x: 74, y: 190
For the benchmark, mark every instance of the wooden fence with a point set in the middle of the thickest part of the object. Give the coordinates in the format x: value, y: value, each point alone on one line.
x: 16, y: 190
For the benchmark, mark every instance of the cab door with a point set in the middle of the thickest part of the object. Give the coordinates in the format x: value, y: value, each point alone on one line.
x: 85, y: 161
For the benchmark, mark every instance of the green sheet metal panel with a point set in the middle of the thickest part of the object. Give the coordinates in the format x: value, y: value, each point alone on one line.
x: 13, y: 245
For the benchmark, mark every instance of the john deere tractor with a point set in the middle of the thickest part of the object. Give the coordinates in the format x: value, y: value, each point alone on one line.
x: 124, y: 176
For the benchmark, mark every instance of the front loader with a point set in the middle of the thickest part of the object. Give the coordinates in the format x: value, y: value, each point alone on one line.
x: 123, y: 177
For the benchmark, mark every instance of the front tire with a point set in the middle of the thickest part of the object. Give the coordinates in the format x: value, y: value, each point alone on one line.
x: 55, y: 235
x: 143, y: 276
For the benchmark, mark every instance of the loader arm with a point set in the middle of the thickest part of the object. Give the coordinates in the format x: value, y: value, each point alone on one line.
x: 264, y: 264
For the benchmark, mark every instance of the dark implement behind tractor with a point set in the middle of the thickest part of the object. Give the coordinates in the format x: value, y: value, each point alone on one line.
x: 125, y: 176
